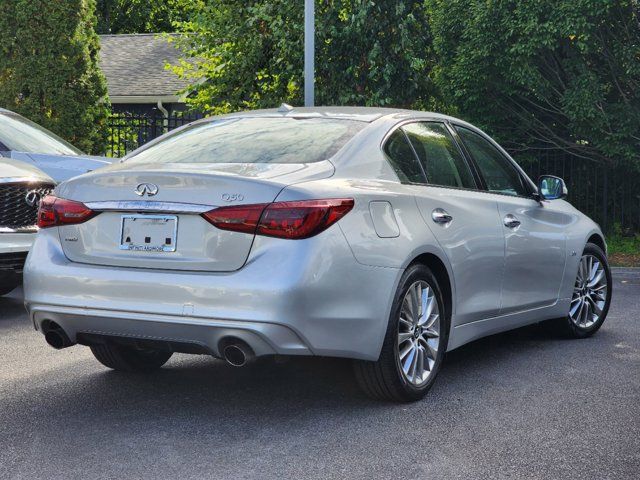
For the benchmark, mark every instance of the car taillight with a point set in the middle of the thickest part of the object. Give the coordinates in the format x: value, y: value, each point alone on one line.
x: 292, y: 220
x: 56, y: 211
x: 239, y: 218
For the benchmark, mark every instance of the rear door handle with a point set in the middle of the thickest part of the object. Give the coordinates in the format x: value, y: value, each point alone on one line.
x: 441, y: 216
x: 511, y: 221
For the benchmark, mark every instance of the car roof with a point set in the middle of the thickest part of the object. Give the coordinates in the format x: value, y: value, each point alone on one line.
x: 362, y: 114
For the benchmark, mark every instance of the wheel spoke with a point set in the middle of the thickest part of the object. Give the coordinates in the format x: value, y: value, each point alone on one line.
x: 406, y: 351
x: 593, y: 305
x: 596, y: 279
x: 430, y: 333
x: 576, y: 307
x: 407, y: 306
x: 430, y: 305
x: 408, y: 361
x: 580, y: 311
x: 403, y: 337
x: 414, y: 364
x: 581, y: 270
x: 420, y: 365
x: 423, y: 293
x: 406, y: 322
x: 415, y: 302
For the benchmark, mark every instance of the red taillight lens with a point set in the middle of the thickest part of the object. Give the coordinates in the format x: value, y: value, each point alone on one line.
x: 292, y: 220
x: 239, y: 218
x: 302, y: 219
x: 56, y: 211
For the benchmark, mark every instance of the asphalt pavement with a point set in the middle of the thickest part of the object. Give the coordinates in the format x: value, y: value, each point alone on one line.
x: 523, y: 404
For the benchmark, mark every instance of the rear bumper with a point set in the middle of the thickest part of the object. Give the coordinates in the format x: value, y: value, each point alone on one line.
x: 264, y: 338
x: 307, y: 297
x: 13, y: 253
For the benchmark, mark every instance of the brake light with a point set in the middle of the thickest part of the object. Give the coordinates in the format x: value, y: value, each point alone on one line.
x: 291, y: 220
x: 54, y: 212
x: 239, y: 218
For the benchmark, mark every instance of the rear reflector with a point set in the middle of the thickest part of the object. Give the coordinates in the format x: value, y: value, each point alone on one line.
x: 54, y: 212
x: 291, y: 220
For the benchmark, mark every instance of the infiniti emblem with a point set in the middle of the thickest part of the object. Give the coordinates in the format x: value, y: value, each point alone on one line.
x: 148, y: 189
x: 32, y: 198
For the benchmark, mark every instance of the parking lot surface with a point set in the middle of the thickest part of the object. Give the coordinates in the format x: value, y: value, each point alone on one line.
x: 523, y: 404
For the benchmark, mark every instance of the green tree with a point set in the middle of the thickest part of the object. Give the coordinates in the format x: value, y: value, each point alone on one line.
x: 143, y: 16
x: 251, y: 53
x: 545, y: 74
x: 49, y: 68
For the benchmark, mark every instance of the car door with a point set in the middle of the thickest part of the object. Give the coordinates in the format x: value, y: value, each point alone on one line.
x: 464, y: 221
x: 534, y: 232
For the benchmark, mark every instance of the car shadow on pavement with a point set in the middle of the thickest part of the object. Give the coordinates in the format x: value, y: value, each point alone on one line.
x: 11, y: 306
x: 205, y: 387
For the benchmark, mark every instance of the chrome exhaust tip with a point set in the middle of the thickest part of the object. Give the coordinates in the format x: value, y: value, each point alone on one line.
x: 237, y: 354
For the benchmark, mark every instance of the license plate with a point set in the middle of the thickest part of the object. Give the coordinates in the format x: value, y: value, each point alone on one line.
x: 149, y: 233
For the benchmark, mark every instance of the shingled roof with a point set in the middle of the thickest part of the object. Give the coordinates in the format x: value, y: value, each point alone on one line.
x: 134, y: 66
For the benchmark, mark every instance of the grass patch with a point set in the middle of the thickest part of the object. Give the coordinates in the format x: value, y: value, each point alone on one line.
x: 624, y: 250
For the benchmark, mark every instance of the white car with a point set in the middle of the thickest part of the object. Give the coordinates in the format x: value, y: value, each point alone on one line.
x: 385, y: 236
x: 32, y: 161
x: 21, y: 139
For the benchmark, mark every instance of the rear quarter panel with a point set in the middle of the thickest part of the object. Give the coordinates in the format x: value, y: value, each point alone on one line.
x: 368, y: 248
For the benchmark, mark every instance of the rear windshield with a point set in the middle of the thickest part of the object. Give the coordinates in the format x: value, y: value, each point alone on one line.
x: 22, y: 135
x: 252, y: 140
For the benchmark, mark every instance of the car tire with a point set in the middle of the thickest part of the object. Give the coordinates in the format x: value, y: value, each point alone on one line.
x: 575, y: 324
x: 388, y: 378
x: 129, y: 359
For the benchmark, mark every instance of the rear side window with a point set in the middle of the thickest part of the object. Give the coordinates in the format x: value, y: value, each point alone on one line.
x: 441, y: 159
x: 498, y: 171
x: 403, y: 159
x: 252, y: 140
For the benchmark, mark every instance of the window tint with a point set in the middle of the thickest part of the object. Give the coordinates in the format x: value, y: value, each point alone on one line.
x: 22, y: 135
x: 402, y: 158
x: 252, y: 140
x: 499, y: 173
x: 441, y: 159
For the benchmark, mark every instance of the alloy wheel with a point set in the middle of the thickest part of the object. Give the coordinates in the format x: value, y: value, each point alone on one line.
x: 418, y: 333
x: 589, y: 293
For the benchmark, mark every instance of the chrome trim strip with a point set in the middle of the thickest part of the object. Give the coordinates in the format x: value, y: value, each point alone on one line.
x: 32, y: 229
x: 26, y: 180
x: 146, y: 206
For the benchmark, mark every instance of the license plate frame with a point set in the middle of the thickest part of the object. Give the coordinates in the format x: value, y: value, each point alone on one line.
x: 163, y: 226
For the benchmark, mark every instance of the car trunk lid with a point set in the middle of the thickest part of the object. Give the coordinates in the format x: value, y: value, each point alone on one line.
x: 150, y: 216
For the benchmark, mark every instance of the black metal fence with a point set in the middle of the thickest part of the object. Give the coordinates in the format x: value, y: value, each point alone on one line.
x: 611, y: 196
x: 128, y: 131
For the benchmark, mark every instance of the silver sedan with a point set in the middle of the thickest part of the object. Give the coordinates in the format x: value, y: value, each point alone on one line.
x: 384, y: 236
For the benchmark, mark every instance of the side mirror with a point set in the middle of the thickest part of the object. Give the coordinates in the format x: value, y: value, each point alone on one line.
x: 551, y: 188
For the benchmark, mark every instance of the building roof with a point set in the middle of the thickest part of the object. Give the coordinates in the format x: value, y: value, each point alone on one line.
x: 134, y: 66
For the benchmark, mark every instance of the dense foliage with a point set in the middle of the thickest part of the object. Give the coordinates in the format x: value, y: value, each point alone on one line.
x: 143, y: 16
x: 49, y: 68
x: 546, y: 74
x: 250, y: 53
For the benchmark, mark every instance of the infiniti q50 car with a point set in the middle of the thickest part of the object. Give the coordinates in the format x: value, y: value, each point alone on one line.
x: 384, y: 236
